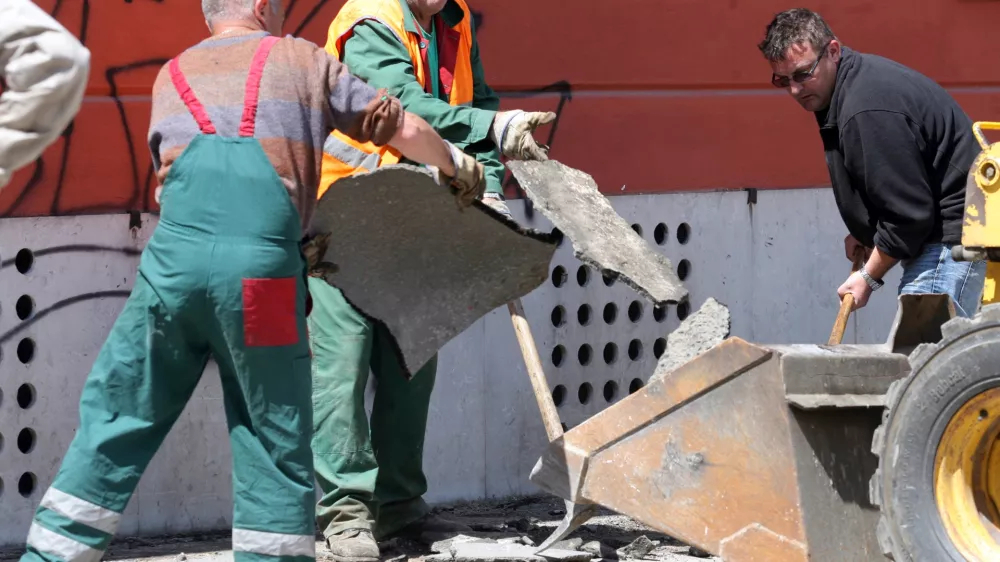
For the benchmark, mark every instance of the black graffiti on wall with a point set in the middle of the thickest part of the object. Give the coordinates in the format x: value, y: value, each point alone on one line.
x: 142, y: 182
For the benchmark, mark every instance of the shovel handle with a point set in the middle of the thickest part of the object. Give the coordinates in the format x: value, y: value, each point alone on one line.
x: 847, y: 304
x: 550, y: 416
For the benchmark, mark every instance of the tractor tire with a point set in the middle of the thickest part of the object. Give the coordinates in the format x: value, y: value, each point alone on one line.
x: 944, y: 414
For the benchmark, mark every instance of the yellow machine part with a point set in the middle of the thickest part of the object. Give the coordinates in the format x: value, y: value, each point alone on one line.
x: 981, y: 228
x: 967, y: 477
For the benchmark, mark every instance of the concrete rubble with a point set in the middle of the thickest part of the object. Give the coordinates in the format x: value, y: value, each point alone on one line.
x: 600, y: 236
x: 697, y: 334
x: 495, y: 538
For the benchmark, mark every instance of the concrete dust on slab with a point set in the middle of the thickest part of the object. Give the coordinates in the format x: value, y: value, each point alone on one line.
x: 697, y: 334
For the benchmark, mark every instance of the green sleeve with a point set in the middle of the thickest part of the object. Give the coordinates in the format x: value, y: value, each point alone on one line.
x: 485, y: 98
x: 374, y: 54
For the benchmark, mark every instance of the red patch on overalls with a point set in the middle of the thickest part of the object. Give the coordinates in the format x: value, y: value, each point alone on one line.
x: 269, y: 317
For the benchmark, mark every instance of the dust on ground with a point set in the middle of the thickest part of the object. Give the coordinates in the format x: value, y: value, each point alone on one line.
x: 519, y: 520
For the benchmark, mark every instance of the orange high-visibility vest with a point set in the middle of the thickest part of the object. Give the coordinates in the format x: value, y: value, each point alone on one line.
x: 343, y: 156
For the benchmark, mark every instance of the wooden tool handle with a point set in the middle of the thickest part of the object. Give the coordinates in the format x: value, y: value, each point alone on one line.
x: 550, y: 417
x: 847, y: 304
x: 840, y: 325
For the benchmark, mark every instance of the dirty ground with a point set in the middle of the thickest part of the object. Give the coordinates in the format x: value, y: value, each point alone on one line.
x: 514, y: 521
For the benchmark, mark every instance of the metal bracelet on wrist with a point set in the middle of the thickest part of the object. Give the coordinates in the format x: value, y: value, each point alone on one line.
x: 873, y: 284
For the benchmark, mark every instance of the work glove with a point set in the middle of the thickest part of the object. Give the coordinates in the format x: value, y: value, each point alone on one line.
x: 512, y: 130
x: 469, y: 180
x: 314, y: 248
x: 495, y: 201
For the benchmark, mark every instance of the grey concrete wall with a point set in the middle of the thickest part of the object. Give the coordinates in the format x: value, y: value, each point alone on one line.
x: 776, y: 264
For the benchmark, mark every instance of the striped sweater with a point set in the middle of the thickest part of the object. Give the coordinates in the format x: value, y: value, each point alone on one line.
x: 304, y: 94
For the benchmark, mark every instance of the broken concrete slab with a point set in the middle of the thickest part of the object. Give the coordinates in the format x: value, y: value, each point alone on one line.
x: 697, y: 334
x: 410, y: 260
x: 601, y: 238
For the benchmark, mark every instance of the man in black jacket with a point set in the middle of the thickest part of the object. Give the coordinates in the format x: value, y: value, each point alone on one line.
x: 898, y: 149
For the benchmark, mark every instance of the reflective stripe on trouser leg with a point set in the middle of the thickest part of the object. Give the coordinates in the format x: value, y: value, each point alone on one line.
x: 273, y: 544
x: 350, y: 155
x: 68, y: 528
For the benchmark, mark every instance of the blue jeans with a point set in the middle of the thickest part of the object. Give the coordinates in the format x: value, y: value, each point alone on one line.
x: 934, y: 271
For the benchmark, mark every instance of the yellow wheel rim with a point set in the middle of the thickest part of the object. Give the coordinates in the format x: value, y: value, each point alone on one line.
x: 967, y: 477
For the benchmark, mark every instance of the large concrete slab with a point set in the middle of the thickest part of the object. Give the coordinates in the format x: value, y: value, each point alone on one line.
x: 602, y: 238
x: 410, y: 259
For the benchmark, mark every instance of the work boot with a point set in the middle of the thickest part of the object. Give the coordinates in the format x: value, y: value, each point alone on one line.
x: 431, y: 528
x: 353, y: 545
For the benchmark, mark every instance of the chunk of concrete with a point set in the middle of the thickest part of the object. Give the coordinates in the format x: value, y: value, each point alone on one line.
x: 638, y: 549
x: 600, y: 236
x: 696, y: 334
x: 480, y: 552
x: 413, y: 262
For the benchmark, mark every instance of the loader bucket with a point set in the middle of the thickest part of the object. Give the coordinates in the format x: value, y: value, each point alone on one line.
x: 752, y: 453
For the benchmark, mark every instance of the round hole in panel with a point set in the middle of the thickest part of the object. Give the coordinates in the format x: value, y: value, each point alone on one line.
x: 559, y: 395
x: 609, y: 280
x: 558, y: 235
x: 637, y: 228
x: 583, y: 314
x: 559, y: 276
x: 683, y: 309
x: 558, y: 316
x: 26, y: 350
x: 610, y: 313
x: 683, y: 269
x: 26, y: 440
x: 24, y: 259
x: 584, y: 354
x: 660, y: 313
x: 660, y: 234
x: 683, y: 233
x: 635, y: 350
x: 24, y: 306
x: 26, y: 484
x: 1, y: 442
x: 610, y: 391
x: 634, y: 386
x: 635, y: 311
x: 659, y: 347
x: 25, y: 396
x: 583, y: 276
x: 584, y: 393
x: 558, y: 355
x: 610, y: 353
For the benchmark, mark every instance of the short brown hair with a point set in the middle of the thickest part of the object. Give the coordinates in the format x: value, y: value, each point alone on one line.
x: 791, y: 27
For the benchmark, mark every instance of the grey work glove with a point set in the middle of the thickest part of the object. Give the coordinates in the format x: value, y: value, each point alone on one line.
x: 512, y: 130
x: 495, y: 201
x: 469, y: 180
x: 314, y: 248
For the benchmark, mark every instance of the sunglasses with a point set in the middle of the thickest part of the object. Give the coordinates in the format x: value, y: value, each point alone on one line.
x: 800, y: 76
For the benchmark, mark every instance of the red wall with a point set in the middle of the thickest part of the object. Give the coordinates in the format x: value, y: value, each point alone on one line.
x: 653, y: 95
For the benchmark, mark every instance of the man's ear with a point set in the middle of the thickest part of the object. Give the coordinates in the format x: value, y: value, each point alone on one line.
x: 835, y: 50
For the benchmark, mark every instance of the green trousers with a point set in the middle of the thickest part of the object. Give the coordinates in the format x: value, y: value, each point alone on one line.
x: 223, y: 276
x: 370, y: 478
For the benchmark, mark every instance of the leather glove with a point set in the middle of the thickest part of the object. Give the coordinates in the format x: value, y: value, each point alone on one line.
x: 314, y: 248
x: 470, y: 177
x: 495, y: 201
x: 511, y: 131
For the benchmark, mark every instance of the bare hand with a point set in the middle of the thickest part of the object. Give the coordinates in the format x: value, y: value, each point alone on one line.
x: 856, y: 286
x: 851, y: 245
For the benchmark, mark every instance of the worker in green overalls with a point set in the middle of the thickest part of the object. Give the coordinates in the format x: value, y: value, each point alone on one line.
x: 371, y: 475
x: 234, y: 124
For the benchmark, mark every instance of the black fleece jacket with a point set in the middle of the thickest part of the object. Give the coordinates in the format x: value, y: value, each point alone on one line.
x: 898, y: 149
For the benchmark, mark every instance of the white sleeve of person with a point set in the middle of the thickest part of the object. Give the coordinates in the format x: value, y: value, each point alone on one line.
x: 45, y: 69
